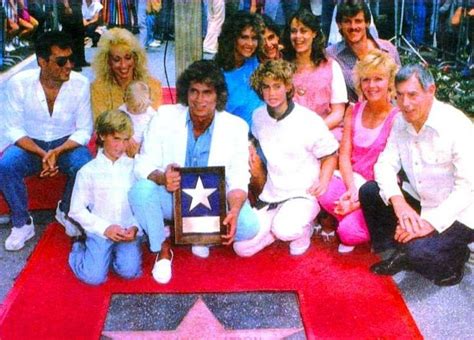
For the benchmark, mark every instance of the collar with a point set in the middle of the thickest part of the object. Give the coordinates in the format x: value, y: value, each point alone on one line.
x: 435, y: 117
x: 103, y: 159
x: 435, y: 120
x: 291, y: 106
x: 189, y: 123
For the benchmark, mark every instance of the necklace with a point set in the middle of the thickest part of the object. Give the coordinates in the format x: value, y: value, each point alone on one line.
x: 301, y: 90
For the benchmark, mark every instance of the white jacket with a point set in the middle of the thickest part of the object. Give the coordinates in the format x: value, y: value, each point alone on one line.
x: 166, y: 138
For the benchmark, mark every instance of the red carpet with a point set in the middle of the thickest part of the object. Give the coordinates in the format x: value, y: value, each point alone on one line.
x: 338, y: 297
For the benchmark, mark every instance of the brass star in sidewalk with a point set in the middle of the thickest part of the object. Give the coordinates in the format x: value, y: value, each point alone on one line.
x: 200, y: 323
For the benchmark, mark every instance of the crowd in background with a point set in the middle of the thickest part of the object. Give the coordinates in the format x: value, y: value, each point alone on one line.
x: 444, y: 24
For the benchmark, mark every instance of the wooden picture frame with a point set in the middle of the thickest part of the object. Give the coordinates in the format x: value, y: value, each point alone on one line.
x: 200, y: 206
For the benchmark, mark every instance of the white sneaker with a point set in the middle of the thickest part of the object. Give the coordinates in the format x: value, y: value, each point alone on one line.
x: 300, y: 245
x: 200, y: 251
x: 162, y: 269
x: 87, y: 42
x: 67, y: 223
x: 155, y: 43
x: 9, y: 47
x: 343, y: 249
x: 317, y: 228
x: 19, y: 236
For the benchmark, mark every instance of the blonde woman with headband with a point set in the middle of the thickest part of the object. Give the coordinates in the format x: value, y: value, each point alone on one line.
x: 366, y: 129
x: 120, y: 59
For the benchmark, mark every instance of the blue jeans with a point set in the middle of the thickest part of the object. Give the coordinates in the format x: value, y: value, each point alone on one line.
x: 415, y: 19
x: 151, y: 204
x: 281, y: 11
x: 150, y: 21
x: 90, y: 261
x: 16, y: 164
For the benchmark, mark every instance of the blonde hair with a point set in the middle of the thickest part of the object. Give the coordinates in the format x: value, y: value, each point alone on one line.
x: 119, y: 37
x: 274, y: 69
x: 376, y: 61
x: 137, y: 94
x: 112, y: 121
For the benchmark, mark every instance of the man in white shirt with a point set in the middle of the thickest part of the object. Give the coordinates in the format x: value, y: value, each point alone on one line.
x: 48, y: 122
x: 194, y: 133
x: 430, y: 219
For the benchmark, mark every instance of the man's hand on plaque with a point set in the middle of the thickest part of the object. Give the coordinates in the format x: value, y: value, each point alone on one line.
x: 172, y: 178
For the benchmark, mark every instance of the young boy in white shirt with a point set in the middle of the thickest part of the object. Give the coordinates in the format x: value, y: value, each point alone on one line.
x: 100, y: 205
x: 137, y: 104
x: 301, y: 157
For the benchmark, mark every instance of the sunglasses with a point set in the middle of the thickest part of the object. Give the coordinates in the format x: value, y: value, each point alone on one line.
x: 61, y: 61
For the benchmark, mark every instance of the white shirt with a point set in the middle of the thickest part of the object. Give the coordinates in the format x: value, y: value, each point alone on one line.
x: 338, y: 84
x: 292, y: 147
x: 140, y: 121
x: 100, y: 195
x: 27, y: 111
x: 439, y: 164
x: 88, y: 12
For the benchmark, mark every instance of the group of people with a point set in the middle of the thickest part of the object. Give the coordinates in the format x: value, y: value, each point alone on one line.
x: 20, y: 23
x: 80, y: 19
x: 308, y: 128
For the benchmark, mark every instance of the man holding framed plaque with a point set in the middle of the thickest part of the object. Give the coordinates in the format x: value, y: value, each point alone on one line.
x: 194, y: 133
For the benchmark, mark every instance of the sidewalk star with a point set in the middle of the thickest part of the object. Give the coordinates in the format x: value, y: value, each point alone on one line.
x: 200, y: 323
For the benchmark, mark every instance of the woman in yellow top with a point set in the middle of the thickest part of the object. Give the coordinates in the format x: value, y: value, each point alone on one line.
x: 120, y: 59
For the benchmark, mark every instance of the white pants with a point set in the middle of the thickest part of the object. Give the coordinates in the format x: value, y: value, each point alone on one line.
x: 289, y: 221
x: 215, y: 19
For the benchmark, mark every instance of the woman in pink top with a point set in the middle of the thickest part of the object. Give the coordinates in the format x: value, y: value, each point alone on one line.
x: 366, y: 129
x: 319, y: 82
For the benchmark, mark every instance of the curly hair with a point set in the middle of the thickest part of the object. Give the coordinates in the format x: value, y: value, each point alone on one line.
x: 375, y: 62
x: 205, y: 72
x: 119, y: 37
x: 276, y: 70
x: 231, y: 31
x: 268, y: 24
x: 317, y: 47
x: 110, y: 122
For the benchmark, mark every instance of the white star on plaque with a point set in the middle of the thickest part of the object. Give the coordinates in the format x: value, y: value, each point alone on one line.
x: 200, y: 195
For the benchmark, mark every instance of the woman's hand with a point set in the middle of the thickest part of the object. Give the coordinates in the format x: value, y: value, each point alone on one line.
x: 133, y: 147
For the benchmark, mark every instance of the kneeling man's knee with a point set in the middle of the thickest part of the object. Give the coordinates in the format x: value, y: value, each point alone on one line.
x: 368, y: 191
x: 142, y: 191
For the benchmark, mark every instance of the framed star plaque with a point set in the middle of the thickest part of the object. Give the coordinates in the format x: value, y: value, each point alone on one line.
x: 200, y: 206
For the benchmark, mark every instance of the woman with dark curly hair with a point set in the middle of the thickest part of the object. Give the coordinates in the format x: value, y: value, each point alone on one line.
x: 271, y: 40
x: 239, y: 41
x: 318, y: 81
